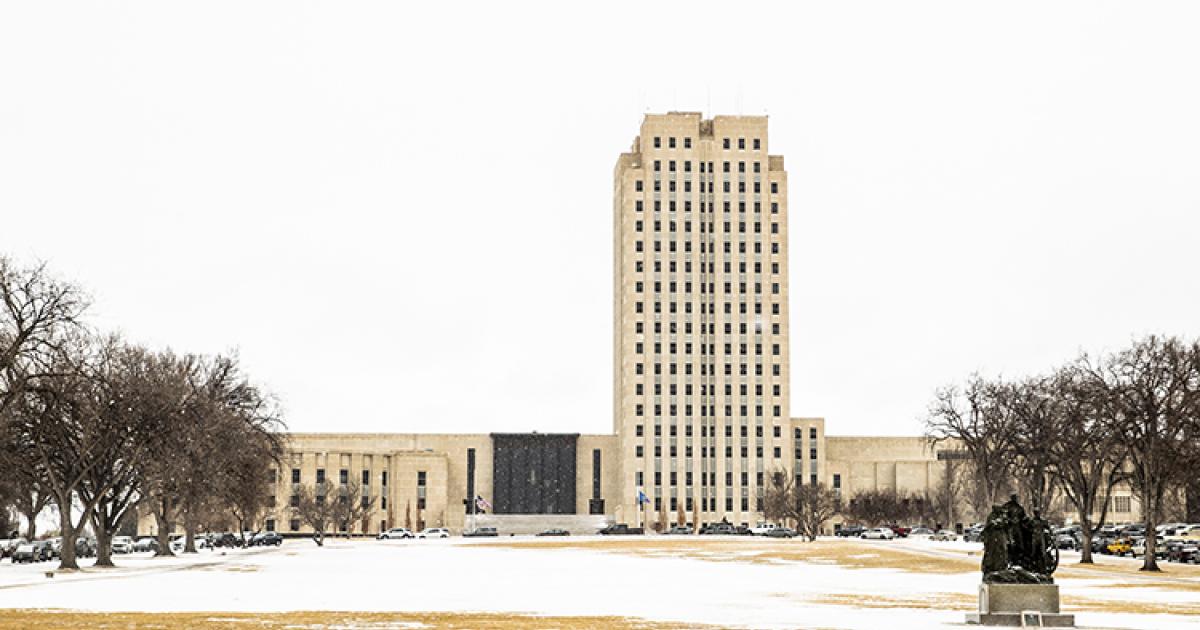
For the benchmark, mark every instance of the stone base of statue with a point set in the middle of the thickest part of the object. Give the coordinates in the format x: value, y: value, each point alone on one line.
x: 1021, y: 606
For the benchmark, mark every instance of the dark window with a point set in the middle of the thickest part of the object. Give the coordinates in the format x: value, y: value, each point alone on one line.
x: 320, y: 475
x: 295, y: 475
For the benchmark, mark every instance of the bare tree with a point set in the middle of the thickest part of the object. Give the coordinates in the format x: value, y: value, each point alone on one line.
x: 37, y: 312
x: 1153, y: 395
x: 809, y: 506
x: 1086, y: 453
x: 973, y: 419
x: 1030, y: 406
x: 351, y: 506
x: 318, y: 509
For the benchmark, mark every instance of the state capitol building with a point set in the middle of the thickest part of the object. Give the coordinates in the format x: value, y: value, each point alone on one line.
x: 702, y: 412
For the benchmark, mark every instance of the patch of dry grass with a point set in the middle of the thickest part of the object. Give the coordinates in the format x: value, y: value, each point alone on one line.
x: 62, y: 620
x: 931, y: 601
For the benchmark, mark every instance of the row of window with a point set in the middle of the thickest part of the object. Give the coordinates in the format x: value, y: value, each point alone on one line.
x: 727, y: 206
x: 639, y: 307
x: 343, y: 476
x: 639, y: 369
x: 687, y: 227
x: 727, y: 143
x: 672, y: 390
x: 687, y: 247
x: 705, y: 452
x: 725, y: 187
x: 639, y: 328
x: 705, y: 287
x: 639, y: 266
x: 758, y: 432
x: 708, y: 349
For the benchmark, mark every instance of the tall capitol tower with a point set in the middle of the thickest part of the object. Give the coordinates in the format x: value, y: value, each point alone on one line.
x: 700, y: 374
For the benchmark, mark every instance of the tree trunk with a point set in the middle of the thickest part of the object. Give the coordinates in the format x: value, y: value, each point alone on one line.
x: 103, y: 546
x: 189, y: 535
x: 1085, y: 528
x: 31, y: 526
x: 1150, y: 562
x: 67, y: 555
x: 164, y: 531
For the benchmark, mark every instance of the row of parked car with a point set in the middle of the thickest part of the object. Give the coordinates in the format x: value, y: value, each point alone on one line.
x: 19, y: 550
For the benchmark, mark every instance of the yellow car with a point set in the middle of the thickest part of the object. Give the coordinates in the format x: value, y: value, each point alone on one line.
x: 1120, y: 547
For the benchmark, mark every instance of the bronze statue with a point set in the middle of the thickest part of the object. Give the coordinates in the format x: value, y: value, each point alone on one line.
x: 1018, y: 549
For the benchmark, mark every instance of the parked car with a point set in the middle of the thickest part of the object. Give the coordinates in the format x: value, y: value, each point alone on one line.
x: 679, y: 530
x: 973, y: 534
x: 781, y: 532
x: 435, y: 532
x: 900, y: 532
x: 7, y: 547
x: 145, y: 543
x: 1065, y: 541
x: 395, y: 533
x: 945, y: 534
x: 85, y: 547
x: 849, y: 531
x: 482, y: 532
x: 226, y: 539
x: 25, y: 552
x: 621, y: 529
x: 1139, y: 548
x: 920, y: 532
x: 43, y: 550
x: 879, y: 533
x: 122, y: 544
x: 265, y: 539
x: 554, y: 532
x: 1182, y: 551
x: 1120, y: 546
x: 761, y: 529
x: 1185, y: 532
x: 717, y: 529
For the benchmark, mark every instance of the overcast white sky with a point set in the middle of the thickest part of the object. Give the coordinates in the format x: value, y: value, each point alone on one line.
x: 400, y: 215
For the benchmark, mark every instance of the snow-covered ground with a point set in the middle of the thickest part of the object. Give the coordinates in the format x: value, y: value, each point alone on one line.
x: 731, y: 582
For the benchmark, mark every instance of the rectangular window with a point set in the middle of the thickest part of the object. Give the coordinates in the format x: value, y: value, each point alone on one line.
x: 383, y: 478
x: 343, y: 476
x: 320, y: 475
x: 294, y: 524
x: 420, y: 478
x: 295, y: 475
x: 366, y: 477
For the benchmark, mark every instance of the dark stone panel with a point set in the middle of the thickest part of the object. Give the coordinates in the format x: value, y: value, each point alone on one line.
x: 533, y: 473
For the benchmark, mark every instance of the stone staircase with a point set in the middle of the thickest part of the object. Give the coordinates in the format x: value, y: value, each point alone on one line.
x: 526, y: 524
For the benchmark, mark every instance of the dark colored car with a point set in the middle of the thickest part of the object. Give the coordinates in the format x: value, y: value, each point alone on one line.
x: 482, y: 532
x: 621, y: 529
x: 226, y: 540
x: 265, y: 539
x: 1181, y: 551
x: 849, y: 531
x: 554, y: 532
x: 43, y: 550
x: 900, y: 532
x: 718, y: 529
x: 781, y: 532
x: 680, y: 530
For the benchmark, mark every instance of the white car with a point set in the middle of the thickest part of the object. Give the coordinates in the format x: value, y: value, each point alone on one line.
x: 435, y: 532
x: 394, y: 533
x: 122, y: 544
x: 762, y: 529
x: 879, y: 533
x: 178, y: 544
x: 945, y: 534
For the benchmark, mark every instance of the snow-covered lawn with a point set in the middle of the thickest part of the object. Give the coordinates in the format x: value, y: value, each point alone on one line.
x: 721, y: 581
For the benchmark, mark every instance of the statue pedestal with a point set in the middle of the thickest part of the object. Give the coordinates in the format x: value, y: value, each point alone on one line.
x: 1020, y: 605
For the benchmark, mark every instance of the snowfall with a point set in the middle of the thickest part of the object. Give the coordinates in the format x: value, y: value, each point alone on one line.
x: 554, y: 577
